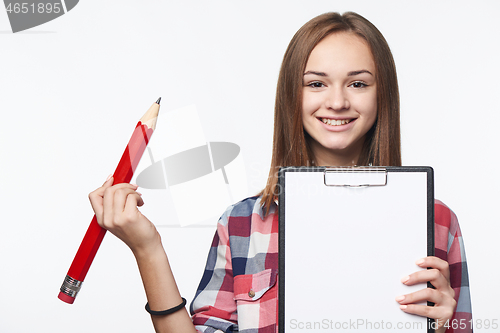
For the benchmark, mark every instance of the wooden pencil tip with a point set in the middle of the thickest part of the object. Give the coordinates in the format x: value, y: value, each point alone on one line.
x: 158, y: 101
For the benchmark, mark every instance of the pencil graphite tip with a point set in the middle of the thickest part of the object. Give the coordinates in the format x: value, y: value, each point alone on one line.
x: 158, y: 101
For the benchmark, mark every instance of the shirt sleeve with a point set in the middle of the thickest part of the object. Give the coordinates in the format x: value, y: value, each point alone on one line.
x: 450, y: 247
x: 214, y: 308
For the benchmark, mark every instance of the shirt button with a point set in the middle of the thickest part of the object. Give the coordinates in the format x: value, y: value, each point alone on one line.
x: 251, y: 293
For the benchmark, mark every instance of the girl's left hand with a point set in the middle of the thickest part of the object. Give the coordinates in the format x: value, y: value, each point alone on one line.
x: 442, y: 296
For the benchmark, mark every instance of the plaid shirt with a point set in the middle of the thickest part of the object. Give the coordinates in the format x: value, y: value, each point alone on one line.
x: 239, y: 289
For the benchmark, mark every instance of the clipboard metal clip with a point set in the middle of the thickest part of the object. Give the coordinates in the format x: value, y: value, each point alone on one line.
x: 355, y: 176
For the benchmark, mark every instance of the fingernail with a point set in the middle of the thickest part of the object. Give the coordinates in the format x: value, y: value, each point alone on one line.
x: 109, y: 177
x: 400, y: 298
x: 405, y: 279
x: 140, y: 194
x: 134, y: 185
x: 403, y: 307
x: 419, y: 262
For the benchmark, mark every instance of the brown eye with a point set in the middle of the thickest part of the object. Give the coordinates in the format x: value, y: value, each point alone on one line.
x: 358, y: 84
x: 316, y: 84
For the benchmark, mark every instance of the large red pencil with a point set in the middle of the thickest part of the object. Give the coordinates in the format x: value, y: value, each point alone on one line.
x: 94, y: 235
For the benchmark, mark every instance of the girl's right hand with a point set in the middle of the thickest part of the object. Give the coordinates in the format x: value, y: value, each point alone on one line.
x: 115, y: 207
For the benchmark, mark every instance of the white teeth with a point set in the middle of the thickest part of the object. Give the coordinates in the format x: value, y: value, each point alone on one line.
x: 333, y: 122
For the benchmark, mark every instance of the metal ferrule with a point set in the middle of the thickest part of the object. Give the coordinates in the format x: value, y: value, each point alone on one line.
x: 70, y: 286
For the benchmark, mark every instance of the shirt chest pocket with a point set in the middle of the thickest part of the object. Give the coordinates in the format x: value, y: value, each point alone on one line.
x: 256, y: 298
x: 252, y: 287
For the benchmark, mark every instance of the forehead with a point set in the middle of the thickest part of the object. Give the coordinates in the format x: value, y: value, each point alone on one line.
x: 341, y: 51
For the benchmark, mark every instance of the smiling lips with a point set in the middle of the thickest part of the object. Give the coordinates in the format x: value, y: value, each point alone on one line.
x: 333, y: 122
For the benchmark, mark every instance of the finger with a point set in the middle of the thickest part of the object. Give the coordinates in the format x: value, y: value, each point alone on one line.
x: 435, y: 312
x: 421, y: 310
x: 139, y: 200
x: 433, y: 276
x: 109, y: 183
x: 119, y: 201
x: 108, y: 203
x: 99, y: 192
x: 133, y: 200
x: 427, y: 294
x: 96, y: 197
x: 138, y: 196
x: 437, y: 263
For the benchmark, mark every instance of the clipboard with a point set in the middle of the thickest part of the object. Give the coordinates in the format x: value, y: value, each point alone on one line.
x: 347, y: 235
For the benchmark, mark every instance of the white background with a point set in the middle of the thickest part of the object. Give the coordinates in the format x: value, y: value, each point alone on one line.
x: 72, y: 90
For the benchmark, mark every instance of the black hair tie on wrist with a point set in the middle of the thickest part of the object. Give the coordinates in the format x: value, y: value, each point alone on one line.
x: 166, y: 312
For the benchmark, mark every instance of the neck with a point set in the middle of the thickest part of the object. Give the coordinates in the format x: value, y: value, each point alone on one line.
x: 326, y: 157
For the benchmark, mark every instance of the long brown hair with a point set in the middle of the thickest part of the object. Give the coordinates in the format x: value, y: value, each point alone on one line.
x: 382, y: 145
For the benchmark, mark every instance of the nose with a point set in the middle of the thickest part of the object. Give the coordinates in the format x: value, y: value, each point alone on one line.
x: 337, y: 99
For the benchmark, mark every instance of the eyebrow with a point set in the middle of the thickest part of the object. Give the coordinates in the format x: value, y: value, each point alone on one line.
x: 353, y: 73
x: 315, y: 73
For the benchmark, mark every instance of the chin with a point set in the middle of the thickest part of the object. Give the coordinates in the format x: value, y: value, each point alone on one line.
x: 338, y: 147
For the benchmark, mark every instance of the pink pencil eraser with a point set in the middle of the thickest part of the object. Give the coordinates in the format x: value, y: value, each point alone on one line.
x: 65, y: 298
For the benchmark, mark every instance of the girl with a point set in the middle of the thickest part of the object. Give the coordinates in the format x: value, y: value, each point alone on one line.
x: 337, y: 104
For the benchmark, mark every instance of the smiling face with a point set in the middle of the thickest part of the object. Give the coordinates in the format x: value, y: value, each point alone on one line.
x: 339, y: 102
